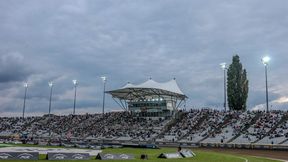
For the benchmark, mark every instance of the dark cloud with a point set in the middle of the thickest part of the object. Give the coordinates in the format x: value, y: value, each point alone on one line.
x: 13, y: 68
x: 134, y: 40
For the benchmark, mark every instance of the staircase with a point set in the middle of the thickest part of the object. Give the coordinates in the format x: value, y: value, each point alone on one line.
x: 220, y: 127
x: 283, y: 141
x: 170, y: 124
x: 253, y: 121
x: 283, y: 119
x: 195, y: 127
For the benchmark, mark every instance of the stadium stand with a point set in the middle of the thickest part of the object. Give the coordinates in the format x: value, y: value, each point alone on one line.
x: 260, y: 128
x: 193, y: 126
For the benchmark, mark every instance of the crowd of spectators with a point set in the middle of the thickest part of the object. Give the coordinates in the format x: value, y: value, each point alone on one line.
x: 235, y: 123
x: 110, y: 126
x: 203, y: 125
x: 183, y: 127
x: 211, y: 120
x: 261, y: 128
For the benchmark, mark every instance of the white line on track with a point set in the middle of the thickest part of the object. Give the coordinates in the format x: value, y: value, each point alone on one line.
x: 246, y: 160
x: 271, y: 158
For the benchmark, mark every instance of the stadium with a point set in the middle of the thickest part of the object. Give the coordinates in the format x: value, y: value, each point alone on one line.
x: 151, y: 126
x: 112, y: 93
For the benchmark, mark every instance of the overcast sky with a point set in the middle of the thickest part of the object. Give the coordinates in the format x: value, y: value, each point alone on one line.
x: 132, y: 40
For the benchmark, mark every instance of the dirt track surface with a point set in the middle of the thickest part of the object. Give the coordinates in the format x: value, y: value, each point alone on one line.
x: 274, y: 154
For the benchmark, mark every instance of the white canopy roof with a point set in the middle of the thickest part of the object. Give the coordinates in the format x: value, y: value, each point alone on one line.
x: 149, y: 87
x: 171, y: 86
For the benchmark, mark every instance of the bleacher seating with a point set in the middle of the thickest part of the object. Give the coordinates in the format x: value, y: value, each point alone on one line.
x: 194, y: 126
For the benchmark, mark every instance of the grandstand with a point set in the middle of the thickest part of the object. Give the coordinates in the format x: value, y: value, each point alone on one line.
x: 150, y: 99
x: 202, y: 127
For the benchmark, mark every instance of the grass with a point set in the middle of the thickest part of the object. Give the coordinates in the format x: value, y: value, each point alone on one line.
x: 5, y: 145
x: 202, y: 156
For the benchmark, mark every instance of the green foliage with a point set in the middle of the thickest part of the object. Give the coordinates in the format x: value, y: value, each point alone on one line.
x: 5, y: 145
x: 237, y: 85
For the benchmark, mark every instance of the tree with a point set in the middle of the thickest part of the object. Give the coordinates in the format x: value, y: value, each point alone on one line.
x: 237, y: 85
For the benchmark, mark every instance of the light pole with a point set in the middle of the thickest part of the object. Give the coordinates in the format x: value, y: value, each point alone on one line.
x: 75, y: 82
x: 224, y: 67
x: 51, y: 88
x: 265, y: 60
x: 25, y: 95
x: 104, y: 79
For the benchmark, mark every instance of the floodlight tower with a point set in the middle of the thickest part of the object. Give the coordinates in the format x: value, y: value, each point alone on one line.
x: 104, y: 79
x: 50, y: 84
x: 75, y: 82
x: 25, y: 95
x: 265, y: 60
x: 224, y: 68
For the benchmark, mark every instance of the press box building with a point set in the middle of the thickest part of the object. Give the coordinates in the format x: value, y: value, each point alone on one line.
x: 150, y: 99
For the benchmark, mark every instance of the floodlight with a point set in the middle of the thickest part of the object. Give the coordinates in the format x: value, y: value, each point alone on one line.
x: 25, y: 94
x: 265, y: 60
x: 75, y: 82
x: 223, y: 65
x: 224, y: 68
x: 50, y: 100
x: 104, y: 78
x: 50, y: 84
